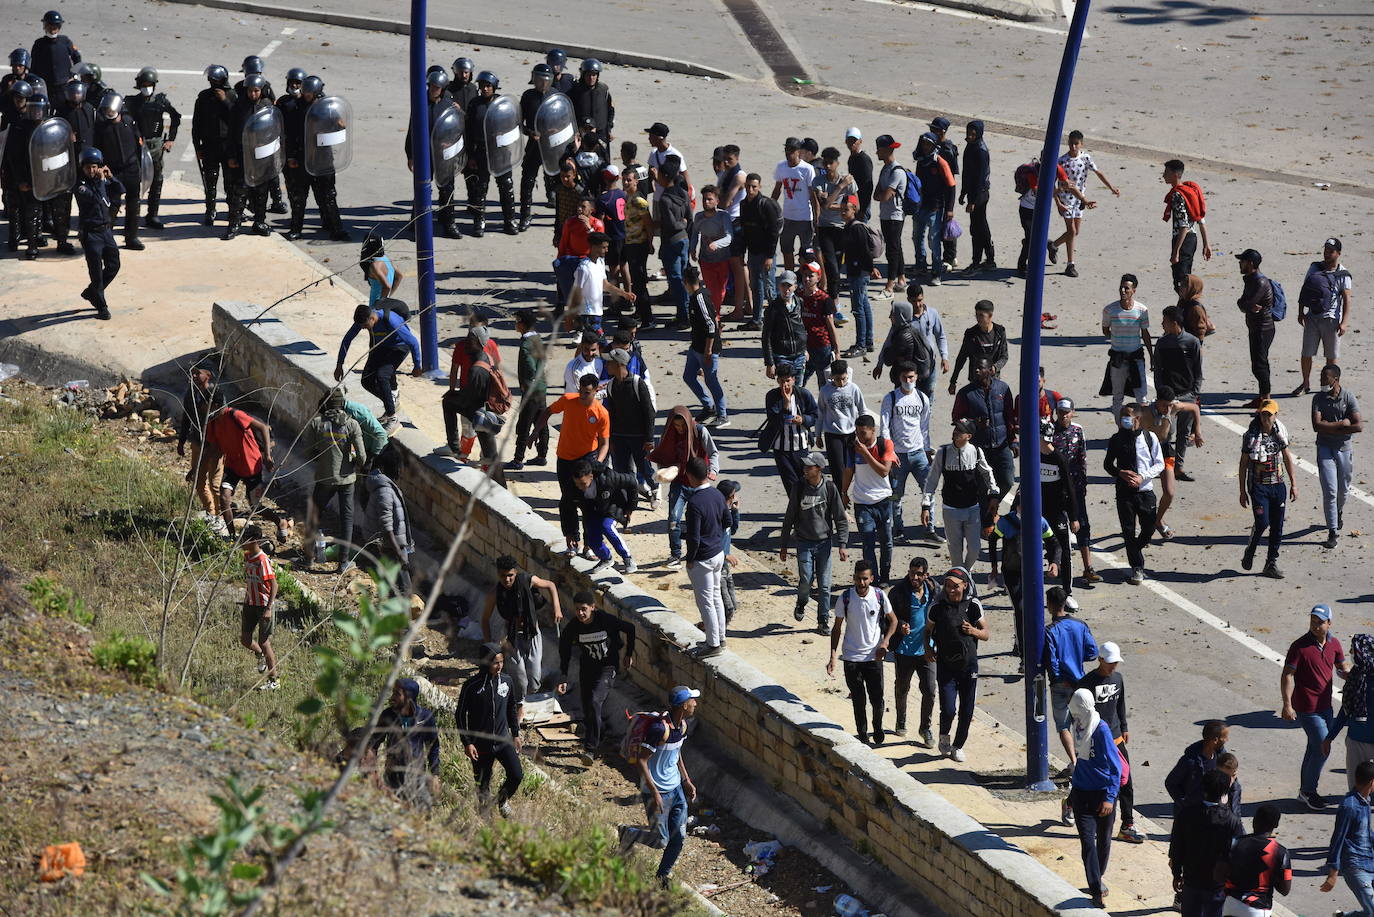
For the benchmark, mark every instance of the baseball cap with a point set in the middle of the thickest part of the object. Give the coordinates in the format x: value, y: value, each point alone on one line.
x: 885, y: 141
x: 681, y: 695
x: 1064, y: 404
x: 619, y: 356
x: 853, y: 134
x: 792, y: 143
x: 1250, y: 255
x: 1333, y: 242
x: 787, y: 277
x: 813, y: 460
x: 1322, y: 611
x: 613, y: 170
x: 959, y: 573
x: 852, y: 199
x: 658, y: 128
x: 1110, y: 652
x: 964, y: 426
x: 940, y: 124
x: 1269, y: 406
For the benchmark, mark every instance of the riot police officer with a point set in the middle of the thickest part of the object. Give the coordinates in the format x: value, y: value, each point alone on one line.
x: 241, y: 196
x: 477, y: 174
x: 299, y: 182
x: 91, y: 75
x: 119, y: 141
x: 557, y: 59
x: 19, y: 70
x: 463, y: 89
x: 98, y: 194
x: 20, y: 205
x: 252, y: 66
x: 295, y: 77
x: 437, y: 83
x: 541, y: 80
x: 79, y: 113
x: 149, y: 108
x: 592, y: 102
x: 210, y: 134
x: 54, y: 55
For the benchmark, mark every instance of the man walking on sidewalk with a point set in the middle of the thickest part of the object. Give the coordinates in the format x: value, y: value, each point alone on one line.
x: 1134, y: 460
x: 1335, y: 418
x: 865, y: 620
x: 1095, y: 785
x: 815, y: 511
x: 1309, y: 672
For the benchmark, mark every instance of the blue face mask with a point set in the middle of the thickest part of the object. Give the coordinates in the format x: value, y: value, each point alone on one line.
x: 1128, y: 424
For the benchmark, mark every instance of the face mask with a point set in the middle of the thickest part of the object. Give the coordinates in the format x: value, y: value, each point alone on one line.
x: 295, y: 91
x: 1128, y: 424
x: 145, y: 90
x: 907, y: 386
x: 1326, y: 389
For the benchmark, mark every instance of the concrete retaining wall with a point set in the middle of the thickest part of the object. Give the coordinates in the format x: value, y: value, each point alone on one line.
x: 953, y: 861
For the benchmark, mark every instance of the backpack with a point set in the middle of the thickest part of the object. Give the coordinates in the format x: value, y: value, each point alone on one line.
x: 498, y: 395
x: 875, y: 242
x: 913, y: 189
x: 1320, y: 288
x: 637, y: 734
x: 882, y: 600
x: 1024, y: 177
x: 1194, y: 200
x: 1280, y: 308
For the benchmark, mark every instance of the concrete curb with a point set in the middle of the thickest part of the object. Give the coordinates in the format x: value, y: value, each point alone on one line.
x: 465, y: 36
x: 1015, y: 10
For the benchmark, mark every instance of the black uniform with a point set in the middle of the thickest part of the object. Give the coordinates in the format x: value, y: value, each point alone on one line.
x: 532, y: 166
x: 593, y: 103
x: 448, y: 219
x: 97, y: 202
x: 119, y: 140
x: 52, y: 58
x: 149, y: 113
x: 299, y: 182
x: 82, y: 119
x: 240, y: 195
x: 563, y: 83
x: 21, y: 207
x: 274, y: 186
x: 210, y: 136
x: 462, y: 95
x: 477, y: 175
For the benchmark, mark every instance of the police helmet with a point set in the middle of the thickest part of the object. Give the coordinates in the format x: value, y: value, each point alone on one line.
x: 19, y: 57
x: 541, y: 71
x: 146, y: 77
x: 491, y: 79
x: 74, y: 91
x: 557, y: 58
x: 295, y: 75
x: 53, y: 17
x: 252, y: 64
x: 591, y: 65
x: 463, y: 65
x: 21, y: 88
x: 37, y: 108
x: 254, y: 81
x: 96, y: 73
x: 218, y: 75
x: 90, y: 156
x: 111, y: 104
x: 437, y: 78
x: 40, y: 85
x: 313, y: 85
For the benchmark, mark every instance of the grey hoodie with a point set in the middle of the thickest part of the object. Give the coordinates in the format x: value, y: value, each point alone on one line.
x: 816, y: 513
x: 386, y: 510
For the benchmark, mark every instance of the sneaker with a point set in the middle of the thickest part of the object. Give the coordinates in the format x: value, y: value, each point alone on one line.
x: 1065, y: 813
x: 538, y: 461
x: 673, y: 563
x: 945, y: 745
x: 878, y: 737
x: 1130, y: 835
x: 1053, y: 251
x: 586, y: 757
x: 270, y: 684
x: 705, y: 415
x: 957, y: 755
x: 629, y: 566
x: 1137, y: 576
x: 823, y: 628
x: 1331, y: 540
x: 628, y: 836
x: 927, y: 739
x: 720, y: 422
x: 1070, y: 270
x: 706, y: 651
x: 799, y: 613
x: 505, y: 810
x: 571, y: 550
x: 1313, y: 801
x: 900, y: 730
x: 653, y: 503
x: 515, y: 466
x: 664, y: 882
x: 386, y: 419
x: 601, y: 566
x: 989, y: 265
x: 936, y: 281
x: 262, y: 665
x: 1247, y: 560
x: 1272, y: 571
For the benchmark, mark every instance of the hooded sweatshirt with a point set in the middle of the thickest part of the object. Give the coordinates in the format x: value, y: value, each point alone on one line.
x: 675, y: 449
x: 408, y: 738
x: 816, y: 513
x: 488, y: 706
x: 335, y: 441
x: 906, y: 344
x: 1099, y: 764
x: 977, y: 168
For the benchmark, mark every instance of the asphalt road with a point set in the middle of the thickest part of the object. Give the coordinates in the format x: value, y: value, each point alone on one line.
x: 1180, y: 670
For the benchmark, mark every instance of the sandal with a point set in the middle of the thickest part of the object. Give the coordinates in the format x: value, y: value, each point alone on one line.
x: 1165, y: 532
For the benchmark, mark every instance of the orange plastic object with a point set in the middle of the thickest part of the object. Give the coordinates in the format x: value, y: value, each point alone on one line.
x: 61, y: 860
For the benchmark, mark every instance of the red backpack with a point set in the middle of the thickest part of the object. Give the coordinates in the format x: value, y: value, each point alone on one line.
x: 498, y: 394
x: 1025, y: 177
x: 637, y: 734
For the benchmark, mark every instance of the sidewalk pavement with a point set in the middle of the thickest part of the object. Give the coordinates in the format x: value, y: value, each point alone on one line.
x: 161, y: 317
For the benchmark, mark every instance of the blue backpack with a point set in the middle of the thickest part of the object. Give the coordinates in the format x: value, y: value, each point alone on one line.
x: 1280, y: 307
x: 913, y: 189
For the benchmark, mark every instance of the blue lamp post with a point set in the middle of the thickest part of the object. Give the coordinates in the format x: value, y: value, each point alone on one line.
x: 420, y: 156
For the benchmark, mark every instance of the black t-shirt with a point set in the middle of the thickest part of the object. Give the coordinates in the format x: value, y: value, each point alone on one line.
x: 1109, y: 695
x: 953, y: 648
x: 1258, y: 864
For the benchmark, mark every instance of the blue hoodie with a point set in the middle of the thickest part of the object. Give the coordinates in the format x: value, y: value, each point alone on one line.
x: 1101, y: 771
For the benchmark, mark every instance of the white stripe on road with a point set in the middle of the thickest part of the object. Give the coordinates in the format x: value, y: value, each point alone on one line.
x: 267, y: 51
x: 979, y: 17
x: 288, y: 31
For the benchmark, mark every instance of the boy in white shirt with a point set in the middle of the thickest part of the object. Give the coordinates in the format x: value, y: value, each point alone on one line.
x: 864, y: 618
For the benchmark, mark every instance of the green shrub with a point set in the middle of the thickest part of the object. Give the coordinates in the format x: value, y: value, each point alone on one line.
x: 133, y: 655
x: 57, y: 601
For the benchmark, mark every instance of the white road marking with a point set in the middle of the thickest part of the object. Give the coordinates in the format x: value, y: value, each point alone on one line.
x: 979, y: 17
x: 288, y: 31
x: 189, y: 154
x: 267, y: 51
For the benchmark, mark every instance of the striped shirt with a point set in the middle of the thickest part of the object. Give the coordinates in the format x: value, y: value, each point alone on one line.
x: 1126, y: 325
x: 258, y: 578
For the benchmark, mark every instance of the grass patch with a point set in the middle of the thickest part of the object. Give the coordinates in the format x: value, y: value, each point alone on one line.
x: 135, y: 656
x: 52, y: 599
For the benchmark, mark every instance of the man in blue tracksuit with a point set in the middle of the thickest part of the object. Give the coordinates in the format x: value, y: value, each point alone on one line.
x: 1096, y: 781
x: 389, y: 343
x: 1351, y: 854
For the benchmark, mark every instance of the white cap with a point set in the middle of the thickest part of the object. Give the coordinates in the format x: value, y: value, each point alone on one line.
x: 1109, y: 652
x: 612, y: 169
x: 853, y: 134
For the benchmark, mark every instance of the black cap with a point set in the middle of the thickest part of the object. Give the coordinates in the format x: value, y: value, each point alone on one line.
x: 792, y: 143
x: 940, y: 124
x: 658, y: 128
x: 1333, y: 242
x: 1250, y: 255
x: 886, y: 141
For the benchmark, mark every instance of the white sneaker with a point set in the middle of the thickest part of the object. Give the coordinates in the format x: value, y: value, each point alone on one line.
x: 957, y: 755
x: 945, y: 745
x: 673, y: 563
x: 270, y: 685
x: 262, y: 665
x: 505, y: 810
x: 630, y: 566
x: 1137, y: 576
x: 601, y: 566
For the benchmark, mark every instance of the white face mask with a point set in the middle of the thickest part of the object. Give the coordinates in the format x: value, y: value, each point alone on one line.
x: 1128, y: 423
x: 294, y: 91
x: 1326, y: 389
x: 907, y: 386
x: 145, y: 90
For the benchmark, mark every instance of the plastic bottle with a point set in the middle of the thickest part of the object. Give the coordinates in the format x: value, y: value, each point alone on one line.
x: 319, y: 547
x: 849, y: 906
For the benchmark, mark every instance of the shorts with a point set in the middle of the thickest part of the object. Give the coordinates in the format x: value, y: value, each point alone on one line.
x: 232, y: 479
x: 256, y: 616
x: 1324, y: 331
x: 1073, y: 207
x: 800, y: 231
x: 1169, y: 461
x: 615, y: 252
x: 1059, y: 705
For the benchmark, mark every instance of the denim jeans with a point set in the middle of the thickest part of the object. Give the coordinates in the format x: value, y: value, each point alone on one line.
x: 909, y: 464
x: 928, y: 229
x: 674, y: 257
x: 627, y: 457
x: 797, y: 363
x: 710, y: 368
x: 1361, y: 885
x: 1268, y: 502
x: 677, y: 508
x: 1316, y: 725
x: 668, y: 828
x: 817, y: 363
x: 1202, y: 902
x: 863, y: 311
x: 761, y: 279
x: 1334, y: 467
x: 874, y: 522
x: 813, y: 563
x: 958, y: 690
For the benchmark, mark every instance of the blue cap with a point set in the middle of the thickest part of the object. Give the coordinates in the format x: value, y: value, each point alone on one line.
x: 1322, y: 611
x: 681, y: 695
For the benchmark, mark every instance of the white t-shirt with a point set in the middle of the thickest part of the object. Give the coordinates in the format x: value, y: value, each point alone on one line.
x: 656, y: 162
x: 590, y: 279
x: 796, y: 189
x: 867, y: 617
x: 869, y: 487
x: 904, y: 419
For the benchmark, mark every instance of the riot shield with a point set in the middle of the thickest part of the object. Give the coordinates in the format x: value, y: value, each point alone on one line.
x: 505, y: 142
x: 554, y: 124
x: 328, y: 141
x: 262, y: 149
x: 52, y: 159
x: 446, y: 146
x: 145, y: 171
